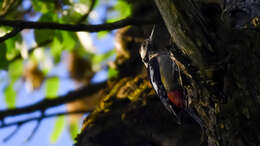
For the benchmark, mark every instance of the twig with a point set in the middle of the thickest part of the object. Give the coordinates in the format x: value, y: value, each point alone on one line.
x: 47, y: 103
x: 15, y: 31
x: 78, y: 27
x: 49, y: 41
x: 19, y: 124
x: 8, y: 137
x: 34, y: 129
x: 9, y: 6
x: 32, y: 49
x: 41, y: 118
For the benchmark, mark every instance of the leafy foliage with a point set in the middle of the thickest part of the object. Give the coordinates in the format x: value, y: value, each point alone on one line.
x: 10, y: 95
x: 48, y: 48
x: 52, y: 87
x: 74, y: 129
x: 58, y: 128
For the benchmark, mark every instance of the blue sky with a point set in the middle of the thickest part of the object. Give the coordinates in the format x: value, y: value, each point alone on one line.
x: 42, y: 136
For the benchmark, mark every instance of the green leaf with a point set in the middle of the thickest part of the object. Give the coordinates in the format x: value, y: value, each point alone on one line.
x: 85, y: 1
x: 12, y: 51
x: 45, y: 35
x: 58, y: 128
x: 68, y: 40
x: 112, y: 73
x: 123, y: 7
x: 10, y: 95
x: 71, y: 16
x: 124, y: 10
x: 102, y: 34
x: 15, y: 70
x: 63, y: 40
x: 10, y: 44
x: 5, y: 29
x: 49, y: 17
x: 74, y: 129
x: 43, y: 6
x: 3, y: 60
x: 102, y: 57
x: 56, y: 49
x: 52, y: 87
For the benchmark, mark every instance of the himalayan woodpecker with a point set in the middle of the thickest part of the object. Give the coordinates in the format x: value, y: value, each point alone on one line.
x: 165, y: 77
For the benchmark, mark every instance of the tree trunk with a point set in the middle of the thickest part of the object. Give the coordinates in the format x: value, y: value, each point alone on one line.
x: 224, y: 89
x: 221, y: 53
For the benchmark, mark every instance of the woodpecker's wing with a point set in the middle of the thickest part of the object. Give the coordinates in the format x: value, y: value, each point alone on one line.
x: 155, y: 78
x: 169, y: 72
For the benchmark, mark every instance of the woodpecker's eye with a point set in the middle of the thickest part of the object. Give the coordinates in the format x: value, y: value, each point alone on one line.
x: 143, y: 50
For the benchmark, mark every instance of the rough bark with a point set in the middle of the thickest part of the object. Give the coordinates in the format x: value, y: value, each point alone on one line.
x: 226, y: 60
x: 235, y: 52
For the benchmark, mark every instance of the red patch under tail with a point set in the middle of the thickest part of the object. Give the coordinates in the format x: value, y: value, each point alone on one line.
x: 176, y: 97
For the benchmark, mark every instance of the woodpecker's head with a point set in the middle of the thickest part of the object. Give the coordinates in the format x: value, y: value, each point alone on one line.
x: 146, y: 48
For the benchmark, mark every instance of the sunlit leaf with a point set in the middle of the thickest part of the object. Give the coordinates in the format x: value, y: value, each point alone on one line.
x: 71, y: 16
x: 10, y: 95
x: 52, y: 87
x: 68, y: 40
x: 63, y: 40
x: 102, y: 57
x: 102, y: 34
x: 15, y: 70
x: 43, y: 6
x: 74, y: 129
x: 56, y: 49
x: 123, y: 9
x: 86, y: 41
x: 112, y: 73
x: 58, y: 128
x: 4, y: 30
x: 85, y: 1
x: 12, y: 51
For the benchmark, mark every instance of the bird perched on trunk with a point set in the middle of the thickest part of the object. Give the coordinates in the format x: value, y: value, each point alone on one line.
x: 165, y: 77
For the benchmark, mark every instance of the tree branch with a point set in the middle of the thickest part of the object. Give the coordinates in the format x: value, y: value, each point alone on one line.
x: 47, y: 103
x: 78, y: 27
x: 41, y: 118
x: 14, y: 32
x: 187, y: 28
x: 35, y: 129
x: 19, y: 124
x: 31, y: 49
x: 49, y: 41
x: 8, y: 6
x: 8, y: 137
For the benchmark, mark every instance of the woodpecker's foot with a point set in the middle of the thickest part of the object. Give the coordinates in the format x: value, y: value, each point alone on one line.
x: 178, y: 54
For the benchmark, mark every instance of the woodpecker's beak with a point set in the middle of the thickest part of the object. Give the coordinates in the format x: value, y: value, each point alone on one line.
x: 152, y: 37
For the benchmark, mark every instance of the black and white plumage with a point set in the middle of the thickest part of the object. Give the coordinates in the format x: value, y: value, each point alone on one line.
x: 165, y: 77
